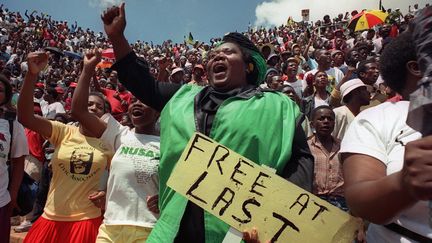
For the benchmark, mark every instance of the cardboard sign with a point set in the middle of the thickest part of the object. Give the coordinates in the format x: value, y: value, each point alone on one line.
x: 305, y: 14
x: 244, y: 195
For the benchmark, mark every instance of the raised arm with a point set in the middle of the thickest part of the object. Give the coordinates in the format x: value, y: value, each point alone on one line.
x: 79, y: 109
x: 134, y: 72
x: 336, y: 96
x: 114, y: 20
x: 36, y: 63
x: 96, y: 84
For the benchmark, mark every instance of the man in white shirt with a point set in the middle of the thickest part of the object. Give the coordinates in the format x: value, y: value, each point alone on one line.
x: 387, y: 174
x: 323, y: 57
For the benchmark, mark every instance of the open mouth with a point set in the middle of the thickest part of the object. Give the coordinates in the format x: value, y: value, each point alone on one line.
x: 137, y: 112
x: 325, y: 128
x: 219, y: 69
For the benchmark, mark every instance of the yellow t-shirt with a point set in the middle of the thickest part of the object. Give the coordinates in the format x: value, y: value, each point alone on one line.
x: 77, y: 164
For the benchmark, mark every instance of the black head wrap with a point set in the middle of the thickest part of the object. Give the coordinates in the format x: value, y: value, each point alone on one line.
x: 259, y: 67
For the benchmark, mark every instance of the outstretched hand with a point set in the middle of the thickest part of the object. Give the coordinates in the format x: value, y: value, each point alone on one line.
x: 92, y: 58
x: 114, y: 20
x: 36, y: 62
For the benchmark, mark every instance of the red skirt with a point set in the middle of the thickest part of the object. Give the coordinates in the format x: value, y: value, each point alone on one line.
x: 49, y: 231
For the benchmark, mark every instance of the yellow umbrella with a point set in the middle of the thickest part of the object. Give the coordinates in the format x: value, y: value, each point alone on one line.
x: 367, y: 19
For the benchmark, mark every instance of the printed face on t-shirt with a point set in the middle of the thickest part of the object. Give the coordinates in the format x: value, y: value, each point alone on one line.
x: 80, y: 163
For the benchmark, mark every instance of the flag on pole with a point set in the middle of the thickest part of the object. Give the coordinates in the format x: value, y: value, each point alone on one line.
x: 381, y: 7
x: 190, y: 39
x: 290, y: 21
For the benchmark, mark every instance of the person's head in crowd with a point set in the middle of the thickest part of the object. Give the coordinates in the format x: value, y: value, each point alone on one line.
x: 355, y: 92
x: 37, y: 108
x: 352, y: 57
x: 296, y: 50
x: 327, y: 19
x: 266, y: 50
x: 126, y: 120
x: 143, y: 117
x: 339, y: 43
x: 398, y: 65
x: 183, y: 61
x: 323, y: 58
x: 370, y: 34
x: 7, y: 73
x: 385, y: 31
x: 67, y: 81
x: 192, y: 58
x: 51, y: 95
x: 60, y: 91
x: 272, y: 60
x: 236, y: 63
x: 5, y: 90
x: 187, y: 77
x: 70, y: 90
x: 290, y: 68
x: 98, y: 104
x: 270, y: 73
x: 204, y: 62
x: 120, y: 87
x: 407, y: 18
x: 322, y: 121
x: 320, y: 80
x: 3, y: 48
x: 113, y: 78
x: 276, y: 82
x: 363, y: 50
x: 103, y: 82
x: 109, y: 85
x: 338, y: 58
x: 368, y: 71
x: 285, y: 55
x: 290, y: 92
x: 177, y: 75
x: 38, y: 92
x: 329, y: 34
x: 339, y: 34
x: 198, y: 72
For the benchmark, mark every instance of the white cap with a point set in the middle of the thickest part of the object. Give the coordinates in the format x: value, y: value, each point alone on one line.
x: 351, y: 85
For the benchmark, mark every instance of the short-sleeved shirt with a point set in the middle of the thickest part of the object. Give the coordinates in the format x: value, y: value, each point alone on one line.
x: 328, y: 178
x: 381, y: 132
x: 343, y: 118
x: 133, y: 175
x: 19, y: 148
x: 78, y: 163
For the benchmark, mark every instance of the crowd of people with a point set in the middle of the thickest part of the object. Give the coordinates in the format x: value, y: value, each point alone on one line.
x: 96, y: 124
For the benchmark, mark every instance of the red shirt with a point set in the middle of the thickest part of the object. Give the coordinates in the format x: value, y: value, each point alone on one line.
x: 35, y: 143
x: 117, y: 108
